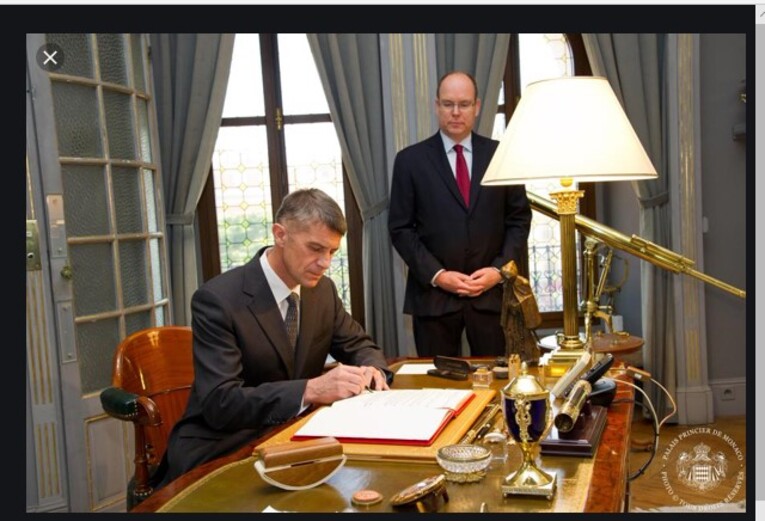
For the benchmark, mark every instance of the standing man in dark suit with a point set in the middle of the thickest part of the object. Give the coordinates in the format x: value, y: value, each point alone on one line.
x: 248, y: 377
x: 455, y: 239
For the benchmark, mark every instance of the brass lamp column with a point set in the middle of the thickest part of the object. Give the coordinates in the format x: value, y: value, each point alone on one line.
x: 571, y: 345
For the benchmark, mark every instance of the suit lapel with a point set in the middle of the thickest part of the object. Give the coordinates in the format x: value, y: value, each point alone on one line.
x: 481, y: 159
x: 263, y: 307
x: 437, y: 157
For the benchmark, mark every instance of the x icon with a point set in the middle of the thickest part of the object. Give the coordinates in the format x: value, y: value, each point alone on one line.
x: 50, y: 57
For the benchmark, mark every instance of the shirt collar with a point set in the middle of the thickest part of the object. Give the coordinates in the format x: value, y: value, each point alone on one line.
x: 449, y: 143
x: 277, y: 285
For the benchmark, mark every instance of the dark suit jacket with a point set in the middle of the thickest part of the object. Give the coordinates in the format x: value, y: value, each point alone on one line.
x: 246, y: 377
x: 431, y: 228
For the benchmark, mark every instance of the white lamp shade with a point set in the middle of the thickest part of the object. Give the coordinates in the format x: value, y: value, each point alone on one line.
x: 569, y: 128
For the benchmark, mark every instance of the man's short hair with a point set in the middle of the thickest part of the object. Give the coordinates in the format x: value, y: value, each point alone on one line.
x: 311, y: 205
x: 450, y: 73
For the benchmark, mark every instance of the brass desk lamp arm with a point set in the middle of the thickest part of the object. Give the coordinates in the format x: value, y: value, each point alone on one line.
x: 635, y: 245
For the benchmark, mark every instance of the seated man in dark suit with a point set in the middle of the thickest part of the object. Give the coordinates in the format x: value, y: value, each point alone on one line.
x: 258, y: 358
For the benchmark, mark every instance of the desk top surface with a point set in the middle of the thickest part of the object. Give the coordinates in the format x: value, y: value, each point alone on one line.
x: 231, y: 484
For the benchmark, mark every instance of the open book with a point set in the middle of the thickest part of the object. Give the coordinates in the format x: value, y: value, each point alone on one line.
x: 400, y: 416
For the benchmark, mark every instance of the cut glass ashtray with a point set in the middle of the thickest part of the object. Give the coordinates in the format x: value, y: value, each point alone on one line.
x: 464, y: 462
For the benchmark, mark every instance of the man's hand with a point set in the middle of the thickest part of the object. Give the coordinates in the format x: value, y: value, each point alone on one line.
x: 375, y: 379
x: 485, y: 278
x: 459, y: 283
x: 341, y: 382
x: 468, y: 285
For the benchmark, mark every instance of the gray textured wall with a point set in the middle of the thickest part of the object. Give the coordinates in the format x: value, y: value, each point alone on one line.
x: 723, y: 160
x: 723, y: 173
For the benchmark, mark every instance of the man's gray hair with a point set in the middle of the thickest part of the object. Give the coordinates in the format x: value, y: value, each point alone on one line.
x: 311, y: 205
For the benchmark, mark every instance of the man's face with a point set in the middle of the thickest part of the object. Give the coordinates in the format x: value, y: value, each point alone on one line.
x: 305, y: 252
x: 457, y: 106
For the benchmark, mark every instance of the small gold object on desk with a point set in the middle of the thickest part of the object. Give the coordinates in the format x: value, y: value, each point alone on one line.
x: 572, y: 406
x: 425, y: 496
x: 528, y: 414
x: 299, y: 465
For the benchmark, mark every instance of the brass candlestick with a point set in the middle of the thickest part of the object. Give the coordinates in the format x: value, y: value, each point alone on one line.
x: 528, y: 413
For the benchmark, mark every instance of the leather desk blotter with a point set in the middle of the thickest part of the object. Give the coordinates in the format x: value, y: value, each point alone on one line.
x: 585, y: 443
x: 451, y: 434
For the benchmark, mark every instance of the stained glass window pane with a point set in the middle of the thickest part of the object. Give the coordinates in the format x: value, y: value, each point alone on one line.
x: 242, y: 193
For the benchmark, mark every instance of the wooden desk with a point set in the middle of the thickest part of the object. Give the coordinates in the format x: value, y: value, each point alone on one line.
x: 230, y: 484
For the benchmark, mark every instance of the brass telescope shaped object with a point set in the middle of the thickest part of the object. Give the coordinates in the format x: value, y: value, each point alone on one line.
x: 637, y: 246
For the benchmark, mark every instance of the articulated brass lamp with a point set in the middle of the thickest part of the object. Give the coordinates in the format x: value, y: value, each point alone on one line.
x: 568, y: 129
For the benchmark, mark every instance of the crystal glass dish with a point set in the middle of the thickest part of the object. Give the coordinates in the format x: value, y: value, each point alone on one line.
x: 464, y: 462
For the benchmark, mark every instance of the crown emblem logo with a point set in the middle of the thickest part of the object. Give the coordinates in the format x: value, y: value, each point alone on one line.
x: 700, y: 471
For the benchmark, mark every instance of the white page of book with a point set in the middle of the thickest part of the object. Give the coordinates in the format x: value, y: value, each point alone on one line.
x: 399, y: 414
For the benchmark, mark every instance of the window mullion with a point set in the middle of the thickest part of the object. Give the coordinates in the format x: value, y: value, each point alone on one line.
x: 277, y: 155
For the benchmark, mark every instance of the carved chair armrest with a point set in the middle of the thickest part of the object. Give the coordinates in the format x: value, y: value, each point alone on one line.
x: 128, y: 406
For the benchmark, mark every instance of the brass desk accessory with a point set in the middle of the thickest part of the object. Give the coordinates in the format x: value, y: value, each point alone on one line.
x: 572, y: 406
x: 426, y: 496
x: 528, y: 413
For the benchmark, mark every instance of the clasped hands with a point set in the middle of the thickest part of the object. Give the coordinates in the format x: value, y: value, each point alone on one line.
x: 343, y: 381
x: 468, y: 285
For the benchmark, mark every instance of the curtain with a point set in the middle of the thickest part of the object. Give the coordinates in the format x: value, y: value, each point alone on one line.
x: 634, y: 66
x: 483, y: 56
x: 190, y: 77
x: 349, y: 67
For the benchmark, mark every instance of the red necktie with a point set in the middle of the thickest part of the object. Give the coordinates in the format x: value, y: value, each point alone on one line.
x: 463, y: 178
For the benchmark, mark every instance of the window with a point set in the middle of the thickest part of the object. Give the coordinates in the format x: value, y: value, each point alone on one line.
x: 533, y: 57
x: 276, y: 136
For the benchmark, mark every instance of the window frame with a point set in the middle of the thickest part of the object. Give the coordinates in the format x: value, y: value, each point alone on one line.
x: 275, y: 122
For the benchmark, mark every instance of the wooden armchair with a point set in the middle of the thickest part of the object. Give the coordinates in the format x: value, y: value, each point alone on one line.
x: 151, y: 380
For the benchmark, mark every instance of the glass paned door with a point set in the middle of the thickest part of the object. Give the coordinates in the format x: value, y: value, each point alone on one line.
x: 96, y: 184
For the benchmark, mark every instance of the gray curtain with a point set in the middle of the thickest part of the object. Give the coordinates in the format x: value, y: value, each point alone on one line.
x: 349, y: 67
x: 634, y: 66
x: 483, y: 56
x: 190, y: 77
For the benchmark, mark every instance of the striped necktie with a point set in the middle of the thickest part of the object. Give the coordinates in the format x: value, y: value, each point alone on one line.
x: 291, y: 319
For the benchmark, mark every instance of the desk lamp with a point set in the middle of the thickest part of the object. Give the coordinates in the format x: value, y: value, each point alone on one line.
x: 568, y: 129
